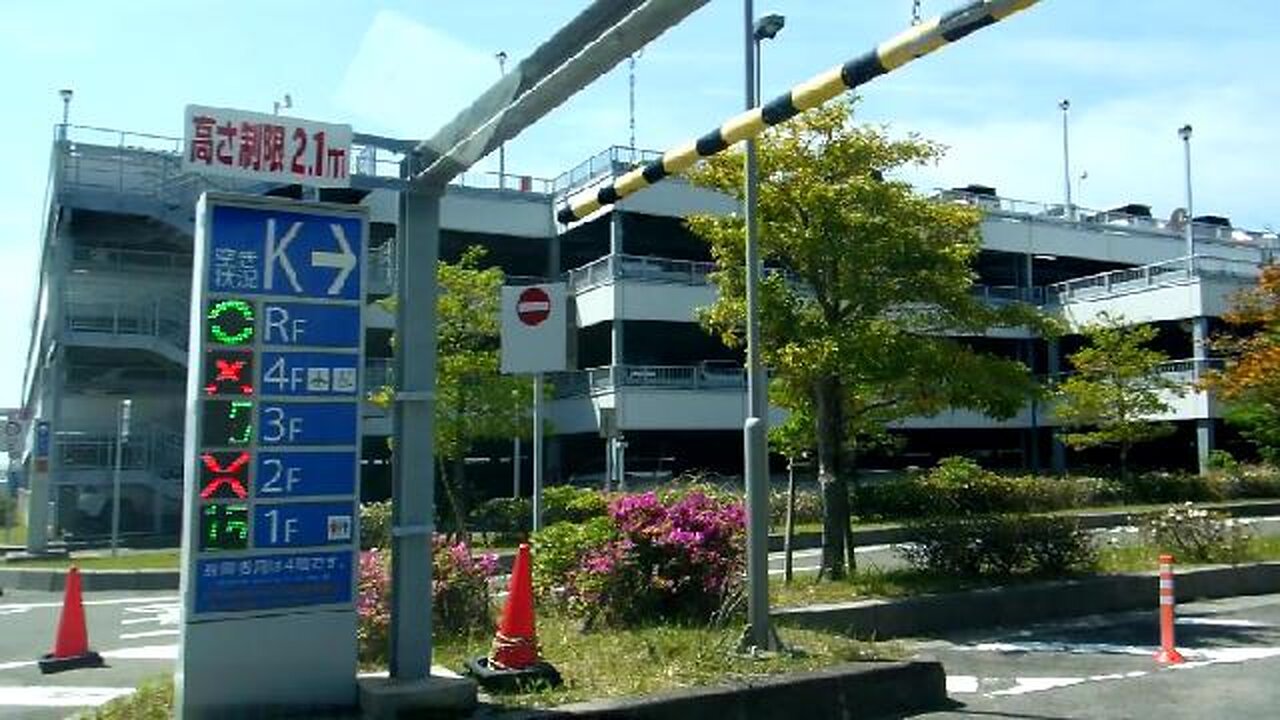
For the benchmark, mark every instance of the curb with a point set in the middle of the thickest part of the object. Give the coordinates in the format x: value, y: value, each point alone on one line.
x: 1089, y: 521
x: 851, y: 690
x: 54, y: 579
x: 1020, y: 604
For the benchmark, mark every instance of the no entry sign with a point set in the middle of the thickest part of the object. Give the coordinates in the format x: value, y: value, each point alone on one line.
x: 534, y: 328
x: 533, y: 306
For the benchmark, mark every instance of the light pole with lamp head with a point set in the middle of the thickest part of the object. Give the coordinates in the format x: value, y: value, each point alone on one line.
x: 1184, y: 132
x: 755, y: 430
x: 66, y: 94
x: 284, y: 103
x: 501, y: 57
x: 1065, y: 107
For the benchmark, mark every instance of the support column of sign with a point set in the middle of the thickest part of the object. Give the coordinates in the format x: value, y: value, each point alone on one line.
x: 272, y: 466
x: 38, y: 490
x: 122, y: 436
x: 413, y: 461
x: 616, y: 465
x: 535, y: 341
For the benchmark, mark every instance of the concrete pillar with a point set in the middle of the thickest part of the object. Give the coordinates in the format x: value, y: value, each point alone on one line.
x: 1058, y: 461
x: 616, y: 465
x: 1204, y: 426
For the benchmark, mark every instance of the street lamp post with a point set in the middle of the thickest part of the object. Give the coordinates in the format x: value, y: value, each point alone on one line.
x: 755, y: 437
x: 501, y: 57
x: 66, y: 94
x: 1065, y: 107
x: 1184, y: 132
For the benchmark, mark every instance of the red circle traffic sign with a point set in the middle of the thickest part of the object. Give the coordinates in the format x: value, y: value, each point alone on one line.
x: 533, y: 306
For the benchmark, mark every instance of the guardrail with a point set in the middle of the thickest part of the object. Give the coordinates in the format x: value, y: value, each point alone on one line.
x: 121, y: 259
x: 613, y: 160
x: 1169, y: 272
x: 642, y: 268
x: 664, y: 377
x: 1105, y: 220
x: 164, y: 318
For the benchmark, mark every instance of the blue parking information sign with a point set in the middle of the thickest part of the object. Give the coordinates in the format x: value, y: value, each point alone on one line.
x: 272, y: 485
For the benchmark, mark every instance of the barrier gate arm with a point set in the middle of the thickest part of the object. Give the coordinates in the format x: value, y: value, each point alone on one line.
x: 918, y: 41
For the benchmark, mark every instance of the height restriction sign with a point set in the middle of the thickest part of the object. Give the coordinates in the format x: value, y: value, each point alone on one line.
x: 273, y: 447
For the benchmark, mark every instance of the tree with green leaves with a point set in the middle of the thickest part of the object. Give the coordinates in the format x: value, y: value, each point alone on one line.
x: 866, y: 298
x: 474, y: 400
x: 1115, y: 388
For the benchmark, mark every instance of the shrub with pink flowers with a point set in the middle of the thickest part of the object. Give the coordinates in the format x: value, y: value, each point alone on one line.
x: 459, y: 595
x: 671, y: 557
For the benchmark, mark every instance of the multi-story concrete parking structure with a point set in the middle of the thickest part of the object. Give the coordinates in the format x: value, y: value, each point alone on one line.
x: 111, y: 314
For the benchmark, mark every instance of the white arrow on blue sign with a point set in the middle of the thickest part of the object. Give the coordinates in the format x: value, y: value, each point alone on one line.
x: 276, y: 252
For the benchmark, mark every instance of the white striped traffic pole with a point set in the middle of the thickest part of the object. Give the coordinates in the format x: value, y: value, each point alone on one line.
x: 1168, y: 654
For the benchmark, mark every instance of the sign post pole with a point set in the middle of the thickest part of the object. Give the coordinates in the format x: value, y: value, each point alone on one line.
x: 537, y: 452
x: 38, y: 499
x: 122, y: 436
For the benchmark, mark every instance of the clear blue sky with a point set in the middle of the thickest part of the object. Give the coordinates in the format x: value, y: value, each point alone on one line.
x: 1134, y: 70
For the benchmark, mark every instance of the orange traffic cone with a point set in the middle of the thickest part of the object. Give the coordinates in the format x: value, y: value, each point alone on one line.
x: 515, y: 645
x: 71, y: 645
x: 514, y: 663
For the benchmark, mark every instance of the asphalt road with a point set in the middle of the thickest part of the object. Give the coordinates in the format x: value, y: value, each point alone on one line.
x: 1102, y: 668
x: 136, y: 633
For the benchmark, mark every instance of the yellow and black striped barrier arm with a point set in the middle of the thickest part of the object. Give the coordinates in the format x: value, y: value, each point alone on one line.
x: 918, y: 41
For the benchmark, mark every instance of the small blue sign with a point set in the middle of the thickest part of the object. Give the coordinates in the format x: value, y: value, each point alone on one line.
x: 303, y: 524
x: 42, y: 439
x: 317, y: 423
x: 309, y: 373
x: 263, y: 251
x: 273, y: 581
x: 305, y: 474
x: 310, y: 324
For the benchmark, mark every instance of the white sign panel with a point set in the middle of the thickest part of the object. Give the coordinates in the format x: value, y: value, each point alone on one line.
x: 255, y: 146
x: 535, y: 326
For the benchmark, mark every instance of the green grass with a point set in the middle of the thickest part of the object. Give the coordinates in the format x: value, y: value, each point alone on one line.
x: 1145, y: 557
x: 142, y: 560
x: 152, y: 701
x: 613, y: 663
x: 13, y: 535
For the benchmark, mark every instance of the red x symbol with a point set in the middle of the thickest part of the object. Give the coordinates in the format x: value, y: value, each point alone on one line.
x: 229, y: 371
x: 222, y: 476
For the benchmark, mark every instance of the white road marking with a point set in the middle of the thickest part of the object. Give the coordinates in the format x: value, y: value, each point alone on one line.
x: 17, y: 664
x: 1221, y: 622
x: 149, y: 633
x: 145, y: 652
x: 16, y: 608
x: 1215, y: 656
x: 59, y: 695
x: 1039, y: 684
x: 1057, y: 647
x: 962, y: 684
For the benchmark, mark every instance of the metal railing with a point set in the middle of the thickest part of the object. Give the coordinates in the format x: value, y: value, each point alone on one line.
x: 1191, y: 369
x: 635, y: 267
x: 1001, y: 294
x: 151, y: 449
x: 613, y: 160
x: 1127, y: 280
x: 131, y: 260
x: 707, y: 376
x: 379, y: 373
x: 163, y: 318
x: 1109, y: 221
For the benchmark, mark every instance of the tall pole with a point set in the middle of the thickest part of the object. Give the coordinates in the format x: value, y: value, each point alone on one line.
x: 754, y: 430
x: 502, y: 149
x: 122, y: 435
x: 1065, y: 106
x: 537, y: 452
x: 631, y: 98
x: 66, y: 94
x: 1184, y: 132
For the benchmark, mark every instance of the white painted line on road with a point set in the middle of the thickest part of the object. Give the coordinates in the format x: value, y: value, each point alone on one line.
x: 1220, y: 622
x: 14, y: 608
x: 1038, y: 684
x: 1214, y: 656
x: 962, y: 684
x: 17, y: 664
x: 146, y: 652
x: 59, y: 696
x: 149, y: 633
x: 1057, y: 647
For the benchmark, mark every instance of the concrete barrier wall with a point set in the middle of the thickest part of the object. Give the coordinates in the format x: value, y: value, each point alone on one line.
x: 853, y: 690
x: 1027, y: 603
